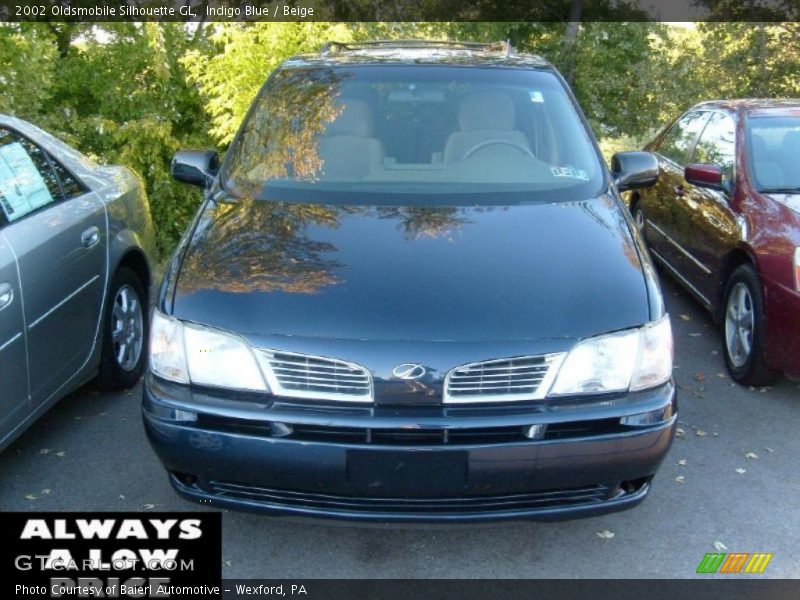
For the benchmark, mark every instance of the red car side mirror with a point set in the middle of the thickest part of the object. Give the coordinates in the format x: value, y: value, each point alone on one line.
x: 702, y: 175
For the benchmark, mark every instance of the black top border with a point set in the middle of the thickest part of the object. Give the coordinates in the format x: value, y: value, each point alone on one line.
x: 408, y: 11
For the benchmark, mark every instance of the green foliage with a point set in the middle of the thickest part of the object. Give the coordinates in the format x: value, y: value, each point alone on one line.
x: 245, y: 55
x: 26, y: 71
x: 134, y: 93
x: 751, y: 59
x: 119, y: 93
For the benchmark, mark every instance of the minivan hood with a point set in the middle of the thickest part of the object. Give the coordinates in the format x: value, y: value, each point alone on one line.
x: 477, y: 273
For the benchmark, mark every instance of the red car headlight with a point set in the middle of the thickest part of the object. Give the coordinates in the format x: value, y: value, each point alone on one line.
x: 797, y: 269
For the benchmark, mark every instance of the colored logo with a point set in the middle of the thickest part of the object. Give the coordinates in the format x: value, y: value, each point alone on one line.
x: 734, y: 562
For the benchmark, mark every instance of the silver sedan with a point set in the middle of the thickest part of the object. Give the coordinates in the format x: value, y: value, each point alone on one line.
x: 76, y: 240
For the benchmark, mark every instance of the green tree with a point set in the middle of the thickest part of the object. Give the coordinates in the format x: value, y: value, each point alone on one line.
x: 245, y: 54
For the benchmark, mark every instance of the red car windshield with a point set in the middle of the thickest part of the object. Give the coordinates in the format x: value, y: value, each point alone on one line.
x: 775, y: 153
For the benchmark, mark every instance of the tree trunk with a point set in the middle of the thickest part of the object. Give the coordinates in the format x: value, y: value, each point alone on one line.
x: 63, y: 33
x: 571, y: 39
x: 762, y: 81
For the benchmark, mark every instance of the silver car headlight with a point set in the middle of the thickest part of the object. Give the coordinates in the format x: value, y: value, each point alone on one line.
x: 185, y: 352
x: 633, y: 360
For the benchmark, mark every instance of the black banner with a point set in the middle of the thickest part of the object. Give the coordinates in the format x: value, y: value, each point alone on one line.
x: 519, y: 589
x: 391, y: 10
x: 111, y: 555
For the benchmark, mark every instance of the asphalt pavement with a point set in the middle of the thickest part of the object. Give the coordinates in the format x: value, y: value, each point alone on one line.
x: 730, y: 483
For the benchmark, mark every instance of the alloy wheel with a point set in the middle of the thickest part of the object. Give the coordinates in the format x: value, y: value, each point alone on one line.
x: 127, y: 327
x: 739, y: 324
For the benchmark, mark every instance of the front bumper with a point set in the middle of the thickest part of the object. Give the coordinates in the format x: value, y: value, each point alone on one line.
x: 426, y: 464
x: 782, y: 306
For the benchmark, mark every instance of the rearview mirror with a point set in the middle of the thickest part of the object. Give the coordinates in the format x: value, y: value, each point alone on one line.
x: 195, y: 167
x: 632, y: 170
x: 704, y: 175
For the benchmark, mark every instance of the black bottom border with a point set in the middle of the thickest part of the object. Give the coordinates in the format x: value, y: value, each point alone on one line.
x: 522, y: 589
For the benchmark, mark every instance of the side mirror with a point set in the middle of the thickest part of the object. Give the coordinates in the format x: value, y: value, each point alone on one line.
x: 195, y: 167
x: 707, y: 176
x: 632, y: 170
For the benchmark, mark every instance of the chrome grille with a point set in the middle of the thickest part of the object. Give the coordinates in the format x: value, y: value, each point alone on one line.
x: 502, y: 380
x: 305, y: 376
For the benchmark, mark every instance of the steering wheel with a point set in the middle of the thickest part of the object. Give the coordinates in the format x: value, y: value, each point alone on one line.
x: 515, y: 145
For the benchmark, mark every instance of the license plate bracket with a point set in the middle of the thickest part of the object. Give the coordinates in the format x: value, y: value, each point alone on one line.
x: 408, y: 473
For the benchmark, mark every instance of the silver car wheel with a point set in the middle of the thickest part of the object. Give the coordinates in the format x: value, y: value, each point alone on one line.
x: 739, y: 323
x: 127, y: 328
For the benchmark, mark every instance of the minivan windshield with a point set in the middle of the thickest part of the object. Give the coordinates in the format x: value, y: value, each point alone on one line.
x: 422, y: 133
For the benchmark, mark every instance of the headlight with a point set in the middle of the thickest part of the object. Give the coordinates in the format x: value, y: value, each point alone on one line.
x: 629, y: 360
x: 167, y: 357
x: 185, y: 352
x: 654, y: 366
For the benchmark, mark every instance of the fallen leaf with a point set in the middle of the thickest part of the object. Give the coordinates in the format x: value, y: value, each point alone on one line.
x: 686, y: 317
x: 720, y: 547
x: 695, y: 334
x: 699, y: 376
x: 45, y: 451
x: 741, y: 471
x: 61, y: 454
x: 680, y: 479
x: 682, y: 462
x: 700, y: 433
x: 148, y: 506
x: 680, y: 432
x: 768, y: 449
x: 715, y: 434
x: 721, y: 375
x: 31, y: 496
x: 46, y: 491
x: 752, y: 455
x: 227, y: 563
x: 122, y: 496
x: 605, y: 534
x: 714, y: 352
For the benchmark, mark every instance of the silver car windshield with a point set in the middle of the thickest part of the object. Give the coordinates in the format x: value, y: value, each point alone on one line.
x: 417, y: 131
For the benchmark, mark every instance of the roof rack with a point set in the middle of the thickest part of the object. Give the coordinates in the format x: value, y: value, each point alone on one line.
x: 502, y: 46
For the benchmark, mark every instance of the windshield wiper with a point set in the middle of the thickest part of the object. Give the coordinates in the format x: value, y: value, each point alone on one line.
x: 786, y: 190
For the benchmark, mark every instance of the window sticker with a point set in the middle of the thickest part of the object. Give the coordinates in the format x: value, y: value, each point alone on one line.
x: 571, y: 172
x: 537, y: 97
x: 21, y: 185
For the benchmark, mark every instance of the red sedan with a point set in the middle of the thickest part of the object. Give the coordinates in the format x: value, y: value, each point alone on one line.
x: 724, y: 220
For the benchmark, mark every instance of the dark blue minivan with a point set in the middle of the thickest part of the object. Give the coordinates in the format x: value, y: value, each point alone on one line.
x: 412, y: 293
